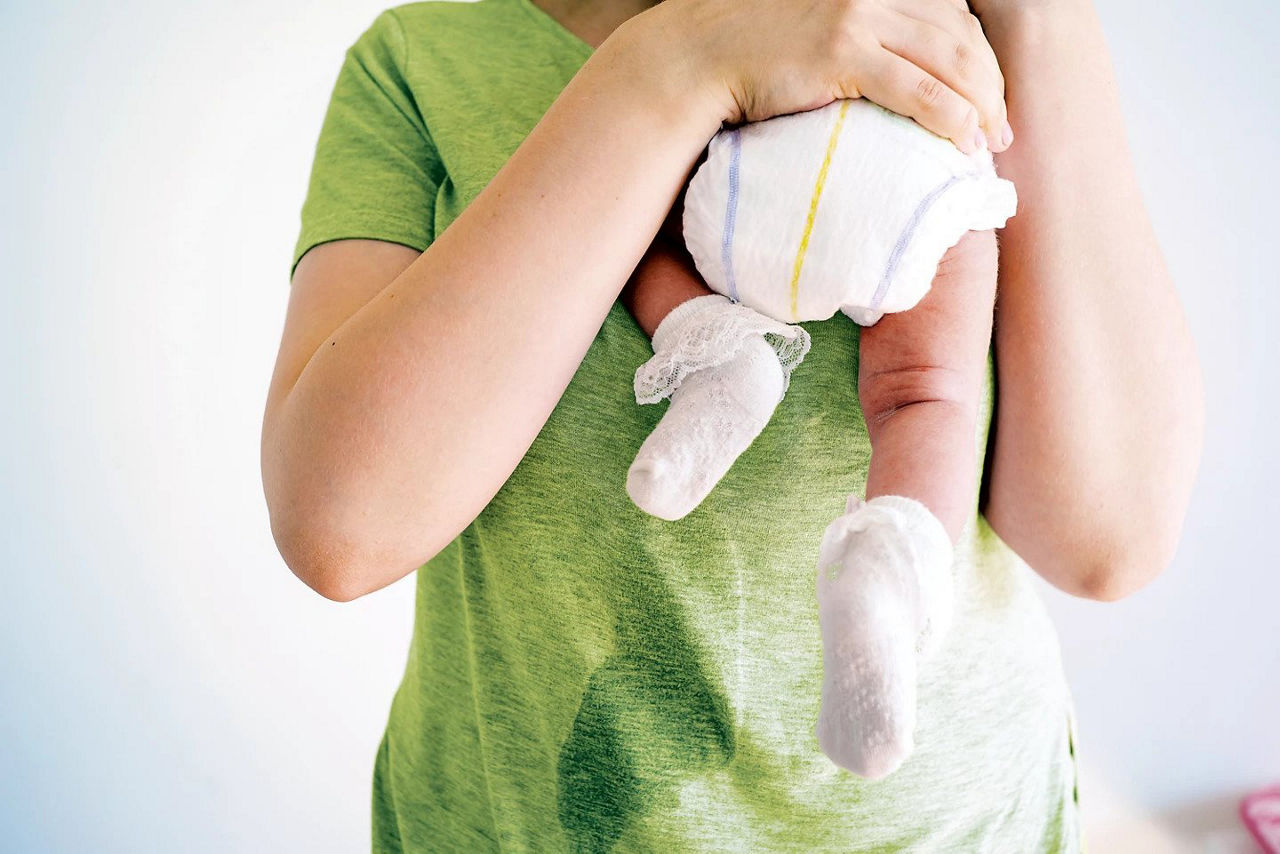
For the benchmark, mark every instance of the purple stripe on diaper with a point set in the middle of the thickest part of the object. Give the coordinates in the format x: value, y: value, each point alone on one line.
x: 905, y: 238
x: 731, y: 213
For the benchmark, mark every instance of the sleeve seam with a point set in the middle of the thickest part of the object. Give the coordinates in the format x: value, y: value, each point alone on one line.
x: 349, y: 226
x: 373, y: 214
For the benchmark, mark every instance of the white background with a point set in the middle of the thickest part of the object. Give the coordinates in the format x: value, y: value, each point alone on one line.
x: 166, y: 684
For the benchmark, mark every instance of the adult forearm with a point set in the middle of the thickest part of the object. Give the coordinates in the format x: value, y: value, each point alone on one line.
x: 1099, y: 415
x: 410, y: 417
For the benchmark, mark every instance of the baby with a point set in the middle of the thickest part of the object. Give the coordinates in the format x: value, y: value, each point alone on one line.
x: 850, y: 208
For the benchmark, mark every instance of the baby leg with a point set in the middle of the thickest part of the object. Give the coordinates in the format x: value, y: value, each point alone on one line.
x: 724, y: 379
x: 663, y: 280
x: 920, y: 381
x: 884, y: 580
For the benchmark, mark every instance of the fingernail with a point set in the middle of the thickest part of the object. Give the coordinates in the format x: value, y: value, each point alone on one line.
x: 979, y: 140
x: 1006, y: 135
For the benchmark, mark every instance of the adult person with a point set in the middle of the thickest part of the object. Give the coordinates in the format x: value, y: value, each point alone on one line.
x: 453, y: 393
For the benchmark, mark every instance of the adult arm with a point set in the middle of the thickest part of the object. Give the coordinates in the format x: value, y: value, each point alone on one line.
x: 1099, y: 416
x: 411, y: 384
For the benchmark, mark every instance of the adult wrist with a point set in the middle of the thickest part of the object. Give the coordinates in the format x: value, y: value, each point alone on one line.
x: 1007, y: 13
x: 654, y: 65
x: 1022, y: 33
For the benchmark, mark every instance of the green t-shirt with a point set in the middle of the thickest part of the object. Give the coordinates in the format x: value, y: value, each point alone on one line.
x: 586, y: 677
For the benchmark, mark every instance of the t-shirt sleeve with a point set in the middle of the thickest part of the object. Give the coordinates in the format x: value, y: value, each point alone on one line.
x: 376, y: 171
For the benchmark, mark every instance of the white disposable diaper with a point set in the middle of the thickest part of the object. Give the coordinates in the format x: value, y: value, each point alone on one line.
x: 848, y: 207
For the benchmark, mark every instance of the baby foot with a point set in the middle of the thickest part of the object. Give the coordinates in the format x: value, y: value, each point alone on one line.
x: 713, y: 417
x: 725, y: 368
x: 884, y: 603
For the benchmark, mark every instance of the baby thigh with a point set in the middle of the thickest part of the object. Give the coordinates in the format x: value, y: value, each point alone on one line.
x: 920, y: 380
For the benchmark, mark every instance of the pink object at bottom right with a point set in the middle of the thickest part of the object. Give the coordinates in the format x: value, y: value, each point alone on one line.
x: 1260, y: 812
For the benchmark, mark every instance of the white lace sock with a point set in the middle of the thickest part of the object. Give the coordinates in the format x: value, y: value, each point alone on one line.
x: 884, y: 603
x: 725, y: 368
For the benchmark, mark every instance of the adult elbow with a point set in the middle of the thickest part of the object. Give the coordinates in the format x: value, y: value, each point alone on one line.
x: 342, y: 566
x: 1133, y: 555
x: 1111, y: 584
x: 1130, y: 547
x: 1124, y: 569
x: 337, y: 583
x: 329, y: 565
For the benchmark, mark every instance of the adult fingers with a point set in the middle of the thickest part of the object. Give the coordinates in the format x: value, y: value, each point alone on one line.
x: 955, y: 17
x: 904, y: 87
x: 968, y: 68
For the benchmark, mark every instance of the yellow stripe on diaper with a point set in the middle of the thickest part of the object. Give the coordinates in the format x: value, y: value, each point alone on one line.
x: 813, y: 208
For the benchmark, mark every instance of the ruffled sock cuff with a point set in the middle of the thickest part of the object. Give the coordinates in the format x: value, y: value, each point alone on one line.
x: 707, y: 331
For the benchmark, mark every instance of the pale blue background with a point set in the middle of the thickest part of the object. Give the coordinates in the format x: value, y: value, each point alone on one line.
x: 167, y: 685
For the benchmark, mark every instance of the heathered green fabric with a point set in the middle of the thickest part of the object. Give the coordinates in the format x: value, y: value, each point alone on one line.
x: 585, y: 677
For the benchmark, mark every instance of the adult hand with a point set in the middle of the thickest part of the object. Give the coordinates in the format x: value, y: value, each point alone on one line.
x: 754, y: 59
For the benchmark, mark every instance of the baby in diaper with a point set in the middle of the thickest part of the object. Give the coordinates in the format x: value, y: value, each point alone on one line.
x: 856, y: 209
